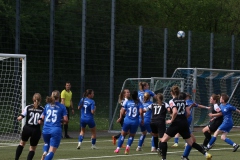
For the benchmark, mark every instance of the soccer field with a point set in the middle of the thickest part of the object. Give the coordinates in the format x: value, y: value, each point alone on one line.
x: 68, y: 151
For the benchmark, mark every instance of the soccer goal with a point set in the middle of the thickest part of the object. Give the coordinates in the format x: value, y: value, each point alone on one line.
x: 203, y: 82
x: 156, y: 84
x: 13, y: 96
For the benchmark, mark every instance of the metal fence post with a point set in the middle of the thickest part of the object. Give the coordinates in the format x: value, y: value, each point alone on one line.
x: 83, y: 45
x: 165, y: 52
x: 112, y: 60
x: 51, y: 51
x: 140, y: 52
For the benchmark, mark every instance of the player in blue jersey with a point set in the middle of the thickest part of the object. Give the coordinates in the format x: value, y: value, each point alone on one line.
x: 122, y: 99
x: 227, y: 123
x: 178, y: 124
x: 147, y: 119
x: 88, y: 108
x: 53, y: 115
x: 32, y: 128
x: 144, y: 87
x: 133, y: 110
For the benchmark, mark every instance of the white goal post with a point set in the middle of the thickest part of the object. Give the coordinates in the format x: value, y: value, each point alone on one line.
x: 13, y: 96
x: 156, y: 84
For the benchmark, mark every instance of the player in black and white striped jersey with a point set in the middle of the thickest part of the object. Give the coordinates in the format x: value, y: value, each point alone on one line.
x: 158, y: 124
x: 179, y: 124
x: 32, y: 128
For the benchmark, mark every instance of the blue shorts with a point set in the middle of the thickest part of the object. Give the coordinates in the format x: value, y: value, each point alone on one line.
x: 225, y: 127
x: 132, y: 127
x: 54, y: 138
x: 145, y: 127
x: 89, y: 122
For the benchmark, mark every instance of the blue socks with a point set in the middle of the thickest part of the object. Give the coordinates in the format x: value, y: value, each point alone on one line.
x: 229, y: 141
x: 94, y: 141
x: 49, y: 156
x: 120, y: 141
x: 80, y: 138
x: 176, y: 139
x: 130, y: 141
x: 213, y: 139
x: 141, y: 140
x: 187, y: 150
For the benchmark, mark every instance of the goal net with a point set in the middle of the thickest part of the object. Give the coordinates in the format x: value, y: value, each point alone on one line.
x: 156, y: 84
x: 203, y: 82
x: 13, y: 96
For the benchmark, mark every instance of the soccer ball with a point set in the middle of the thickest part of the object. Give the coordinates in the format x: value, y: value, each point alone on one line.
x: 180, y: 34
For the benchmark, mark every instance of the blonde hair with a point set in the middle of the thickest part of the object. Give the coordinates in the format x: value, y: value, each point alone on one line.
x: 55, y: 96
x: 37, y: 98
x: 146, y: 97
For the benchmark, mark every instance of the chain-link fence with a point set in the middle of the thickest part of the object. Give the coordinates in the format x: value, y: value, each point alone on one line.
x: 83, y: 42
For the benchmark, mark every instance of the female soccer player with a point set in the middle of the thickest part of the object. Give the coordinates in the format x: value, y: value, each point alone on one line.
x: 32, y: 127
x: 144, y: 87
x: 178, y: 124
x: 190, y: 104
x: 158, y: 116
x: 215, y: 122
x: 133, y: 109
x: 122, y: 99
x: 227, y: 124
x: 147, y: 118
x: 88, y: 108
x: 54, y: 113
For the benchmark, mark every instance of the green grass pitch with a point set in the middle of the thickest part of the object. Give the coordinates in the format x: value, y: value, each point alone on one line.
x: 68, y: 151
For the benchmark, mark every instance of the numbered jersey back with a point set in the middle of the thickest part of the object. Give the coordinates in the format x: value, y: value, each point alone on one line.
x: 158, y: 111
x: 181, y: 105
x: 32, y: 115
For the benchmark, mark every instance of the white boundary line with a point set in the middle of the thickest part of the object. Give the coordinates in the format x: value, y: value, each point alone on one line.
x: 143, y: 154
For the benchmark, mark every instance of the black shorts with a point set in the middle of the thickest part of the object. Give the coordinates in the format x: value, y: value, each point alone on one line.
x: 181, y: 127
x: 158, y: 128
x: 68, y: 110
x: 213, y: 125
x: 34, y: 133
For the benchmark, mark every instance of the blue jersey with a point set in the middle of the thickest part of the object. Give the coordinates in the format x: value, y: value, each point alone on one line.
x: 132, y: 111
x: 141, y: 94
x: 53, y: 114
x: 87, y: 105
x: 148, y: 113
x: 131, y: 120
x: 189, y: 102
x: 227, y: 113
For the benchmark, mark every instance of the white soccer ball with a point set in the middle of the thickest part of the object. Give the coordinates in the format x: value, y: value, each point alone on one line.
x: 180, y: 34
